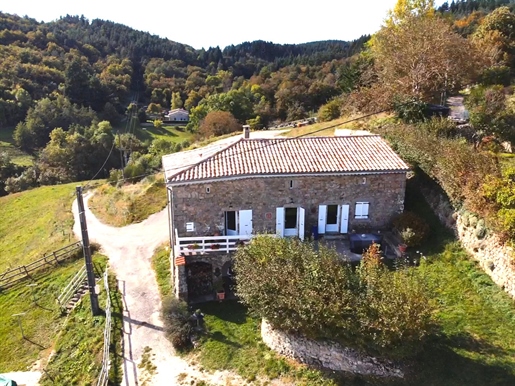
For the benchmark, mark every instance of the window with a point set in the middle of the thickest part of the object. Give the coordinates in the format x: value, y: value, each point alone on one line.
x: 208, y: 189
x: 361, y: 211
x: 291, y: 184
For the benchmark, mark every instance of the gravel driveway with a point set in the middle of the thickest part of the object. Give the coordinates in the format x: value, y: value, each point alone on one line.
x: 130, y: 250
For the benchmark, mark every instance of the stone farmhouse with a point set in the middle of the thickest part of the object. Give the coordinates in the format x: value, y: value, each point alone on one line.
x: 291, y: 187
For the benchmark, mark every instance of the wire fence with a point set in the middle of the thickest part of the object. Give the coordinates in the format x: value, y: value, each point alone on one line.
x: 15, y: 275
x: 103, y: 377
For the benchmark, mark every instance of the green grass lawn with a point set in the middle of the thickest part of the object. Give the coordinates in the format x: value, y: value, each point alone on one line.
x: 18, y: 156
x: 35, y: 222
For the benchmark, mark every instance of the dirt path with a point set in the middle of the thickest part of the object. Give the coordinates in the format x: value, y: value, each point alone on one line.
x: 130, y: 250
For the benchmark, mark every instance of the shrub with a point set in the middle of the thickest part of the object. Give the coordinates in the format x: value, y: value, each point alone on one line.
x: 419, y: 229
x: 177, y: 322
x: 315, y: 293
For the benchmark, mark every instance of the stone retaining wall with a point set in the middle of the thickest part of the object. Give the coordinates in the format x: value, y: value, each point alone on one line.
x: 328, y: 355
x: 494, y: 257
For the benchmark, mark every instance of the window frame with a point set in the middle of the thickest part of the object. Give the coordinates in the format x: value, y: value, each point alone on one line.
x: 362, y: 205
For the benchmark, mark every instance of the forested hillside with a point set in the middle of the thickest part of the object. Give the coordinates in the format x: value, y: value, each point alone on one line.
x: 59, y: 80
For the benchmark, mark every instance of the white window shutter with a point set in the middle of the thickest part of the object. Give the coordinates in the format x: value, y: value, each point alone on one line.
x: 322, y: 218
x: 302, y: 216
x: 344, y: 224
x: 245, y: 222
x: 279, y: 222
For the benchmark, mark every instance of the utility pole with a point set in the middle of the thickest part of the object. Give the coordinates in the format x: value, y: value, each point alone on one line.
x: 121, y: 156
x: 95, y: 309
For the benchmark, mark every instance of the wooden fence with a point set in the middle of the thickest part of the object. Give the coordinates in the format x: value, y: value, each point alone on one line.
x: 15, y: 275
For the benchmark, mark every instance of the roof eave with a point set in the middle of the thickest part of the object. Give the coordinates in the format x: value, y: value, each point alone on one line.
x: 243, y: 176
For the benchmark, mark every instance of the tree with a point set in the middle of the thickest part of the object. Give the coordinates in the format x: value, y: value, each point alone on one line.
x: 176, y: 101
x: 405, y: 9
x: 422, y: 57
x: 218, y: 123
x: 494, y: 37
x: 329, y: 111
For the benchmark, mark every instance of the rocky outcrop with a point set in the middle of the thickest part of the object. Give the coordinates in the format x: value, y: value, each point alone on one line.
x: 325, y: 354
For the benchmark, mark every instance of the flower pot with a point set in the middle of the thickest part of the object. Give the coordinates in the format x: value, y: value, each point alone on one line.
x: 220, y: 296
x: 402, y: 248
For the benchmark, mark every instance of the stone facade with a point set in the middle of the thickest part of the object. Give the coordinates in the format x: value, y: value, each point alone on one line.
x: 205, y: 204
x: 328, y: 355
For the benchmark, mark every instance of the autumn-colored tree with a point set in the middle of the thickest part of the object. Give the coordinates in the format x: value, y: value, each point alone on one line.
x: 405, y: 9
x: 422, y: 57
x: 494, y: 37
x: 218, y: 123
x: 176, y: 101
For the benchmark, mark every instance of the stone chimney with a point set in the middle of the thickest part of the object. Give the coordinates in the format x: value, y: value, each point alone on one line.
x: 246, y: 131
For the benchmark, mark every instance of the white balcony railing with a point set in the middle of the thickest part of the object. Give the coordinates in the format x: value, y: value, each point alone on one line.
x: 207, y: 244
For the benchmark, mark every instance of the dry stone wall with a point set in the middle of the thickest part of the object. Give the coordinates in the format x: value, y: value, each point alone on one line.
x: 494, y: 257
x: 328, y: 355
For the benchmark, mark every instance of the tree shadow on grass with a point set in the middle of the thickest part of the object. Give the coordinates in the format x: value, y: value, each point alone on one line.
x: 440, y: 364
x: 229, y: 310
x: 220, y: 337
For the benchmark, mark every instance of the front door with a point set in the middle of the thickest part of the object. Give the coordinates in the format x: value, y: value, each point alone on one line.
x: 290, y: 222
x: 231, y: 223
x: 331, y: 225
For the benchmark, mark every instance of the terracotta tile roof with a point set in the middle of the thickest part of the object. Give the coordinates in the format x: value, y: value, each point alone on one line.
x: 308, y: 155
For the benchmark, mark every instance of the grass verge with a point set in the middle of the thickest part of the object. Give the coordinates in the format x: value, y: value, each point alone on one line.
x: 35, y: 222
x: 129, y: 203
x: 161, y: 266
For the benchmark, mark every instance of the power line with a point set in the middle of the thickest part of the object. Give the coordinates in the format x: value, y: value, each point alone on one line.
x: 104, y: 164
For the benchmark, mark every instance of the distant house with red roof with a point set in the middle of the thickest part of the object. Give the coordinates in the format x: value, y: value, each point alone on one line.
x: 222, y: 196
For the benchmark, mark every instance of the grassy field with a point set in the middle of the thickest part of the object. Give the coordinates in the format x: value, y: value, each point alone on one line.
x: 147, y: 131
x: 131, y: 203
x: 41, y: 320
x: 35, y: 222
x: 7, y: 146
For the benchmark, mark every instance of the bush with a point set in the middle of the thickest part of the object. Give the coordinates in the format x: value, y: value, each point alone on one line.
x: 177, y: 322
x: 419, y: 228
x: 317, y: 294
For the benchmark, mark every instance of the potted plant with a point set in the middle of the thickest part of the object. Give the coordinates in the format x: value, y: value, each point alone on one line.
x: 407, y: 236
x: 219, y: 288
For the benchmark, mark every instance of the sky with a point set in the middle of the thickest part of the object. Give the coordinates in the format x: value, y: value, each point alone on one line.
x: 209, y: 23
